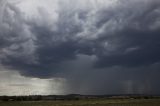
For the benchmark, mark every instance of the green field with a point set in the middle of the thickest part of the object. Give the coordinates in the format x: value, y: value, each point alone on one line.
x: 101, y: 102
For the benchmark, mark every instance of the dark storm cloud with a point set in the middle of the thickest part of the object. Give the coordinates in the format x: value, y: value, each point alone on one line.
x: 125, y: 35
x: 135, y: 39
x: 135, y: 48
x: 129, y: 36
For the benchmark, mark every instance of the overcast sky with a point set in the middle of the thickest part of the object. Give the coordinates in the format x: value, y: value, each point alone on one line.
x: 79, y: 46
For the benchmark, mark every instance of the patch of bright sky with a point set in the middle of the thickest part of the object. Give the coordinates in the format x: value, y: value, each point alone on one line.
x: 12, y: 83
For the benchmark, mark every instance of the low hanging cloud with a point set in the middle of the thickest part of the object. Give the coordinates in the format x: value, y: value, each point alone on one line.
x: 76, y: 38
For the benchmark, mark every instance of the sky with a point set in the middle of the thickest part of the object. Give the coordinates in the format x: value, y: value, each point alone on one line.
x: 79, y: 46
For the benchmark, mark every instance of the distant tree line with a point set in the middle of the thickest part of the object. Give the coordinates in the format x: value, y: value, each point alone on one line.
x: 37, y: 98
x: 21, y: 98
x: 73, y: 97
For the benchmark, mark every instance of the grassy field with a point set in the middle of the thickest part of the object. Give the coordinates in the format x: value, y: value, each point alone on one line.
x: 101, y: 102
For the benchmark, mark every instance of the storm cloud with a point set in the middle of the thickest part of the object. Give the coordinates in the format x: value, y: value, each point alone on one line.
x: 98, y: 46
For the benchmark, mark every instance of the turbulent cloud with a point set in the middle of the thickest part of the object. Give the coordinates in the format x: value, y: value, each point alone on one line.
x: 75, y: 38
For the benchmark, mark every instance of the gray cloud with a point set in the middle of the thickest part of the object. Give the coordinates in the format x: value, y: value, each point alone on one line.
x: 55, y: 42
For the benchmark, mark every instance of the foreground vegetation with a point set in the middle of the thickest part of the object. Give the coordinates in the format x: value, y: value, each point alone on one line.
x: 92, y: 102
